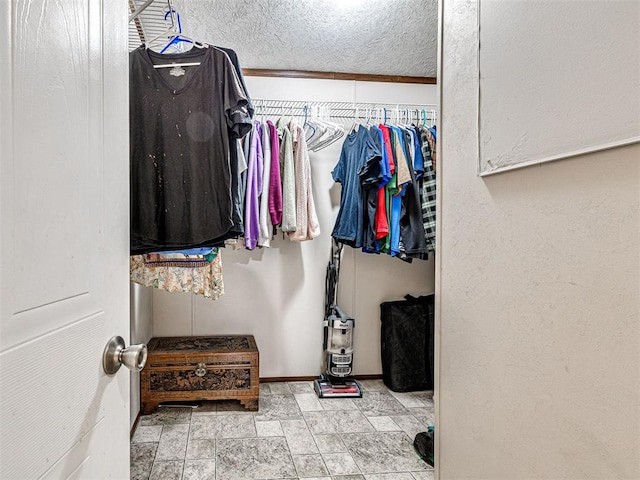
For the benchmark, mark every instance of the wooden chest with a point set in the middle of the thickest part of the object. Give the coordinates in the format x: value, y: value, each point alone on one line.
x: 201, y: 368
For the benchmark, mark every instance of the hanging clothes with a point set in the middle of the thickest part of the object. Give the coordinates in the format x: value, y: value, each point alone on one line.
x: 412, y: 236
x: 431, y: 139
x: 289, y: 221
x: 180, y: 126
x: 402, y: 177
x: 370, y: 191
x: 381, y: 223
x: 418, y: 163
x: 253, y: 190
x: 428, y: 195
x: 268, y: 150
x: 397, y: 193
x: 184, y: 258
x: 266, y: 227
x: 354, y: 168
x: 201, y: 277
x: 307, y: 226
x: 390, y: 188
x: 403, y: 163
x: 275, y: 182
x: 237, y: 165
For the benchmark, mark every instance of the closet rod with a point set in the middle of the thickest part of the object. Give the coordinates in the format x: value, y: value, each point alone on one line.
x: 340, y: 109
x: 339, y: 105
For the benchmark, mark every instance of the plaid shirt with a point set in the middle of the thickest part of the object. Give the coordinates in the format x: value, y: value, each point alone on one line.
x: 428, y: 194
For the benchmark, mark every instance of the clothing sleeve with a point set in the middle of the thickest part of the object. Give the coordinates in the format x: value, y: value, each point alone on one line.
x: 236, y: 66
x: 370, y: 172
x: 384, y: 162
x: 236, y: 103
x: 338, y: 172
x: 386, y: 144
x: 418, y: 164
x: 373, y: 131
x: 260, y: 157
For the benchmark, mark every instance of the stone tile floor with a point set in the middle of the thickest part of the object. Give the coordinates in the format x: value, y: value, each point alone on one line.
x: 293, y: 435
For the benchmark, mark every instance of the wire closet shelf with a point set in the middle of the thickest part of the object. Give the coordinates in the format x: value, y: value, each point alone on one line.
x: 149, y: 19
x: 382, y: 112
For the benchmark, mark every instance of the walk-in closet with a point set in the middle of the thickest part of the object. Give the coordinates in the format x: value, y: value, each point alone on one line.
x: 273, y: 282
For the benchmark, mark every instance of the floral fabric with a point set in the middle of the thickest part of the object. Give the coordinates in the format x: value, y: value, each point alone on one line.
x: 205, y: 280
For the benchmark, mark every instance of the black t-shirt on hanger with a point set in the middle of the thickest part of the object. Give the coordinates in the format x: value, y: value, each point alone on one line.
x: 237, y: 190
x: 181, y: 121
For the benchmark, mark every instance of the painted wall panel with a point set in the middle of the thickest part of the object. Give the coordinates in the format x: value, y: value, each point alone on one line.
x: 538, y: 301
x: 570, y: 84
x: 277, y: 294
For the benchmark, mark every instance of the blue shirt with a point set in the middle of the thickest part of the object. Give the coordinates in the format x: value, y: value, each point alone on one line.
x: 378, y: 138
x: 358, y: 157
x: 418, y: 164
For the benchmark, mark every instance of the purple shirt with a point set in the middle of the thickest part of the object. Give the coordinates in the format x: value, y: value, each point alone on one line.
x: 275, y: 184
x: 254, y: 185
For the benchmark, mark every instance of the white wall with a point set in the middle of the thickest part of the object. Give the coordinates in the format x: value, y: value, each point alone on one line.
x: 141, y: 331
x: 277, y: 294
x: 584, y: 89
x: 539, y: 295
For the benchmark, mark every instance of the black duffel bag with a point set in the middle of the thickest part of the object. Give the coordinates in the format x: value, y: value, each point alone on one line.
x: 407, y: 343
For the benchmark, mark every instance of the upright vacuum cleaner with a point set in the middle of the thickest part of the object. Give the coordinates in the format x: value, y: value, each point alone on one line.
x: 337, y: 345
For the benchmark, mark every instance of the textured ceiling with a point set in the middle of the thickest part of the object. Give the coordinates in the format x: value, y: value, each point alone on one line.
x: 390, y: 37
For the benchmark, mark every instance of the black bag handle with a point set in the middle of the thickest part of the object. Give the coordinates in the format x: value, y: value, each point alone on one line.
x: 421, y: 299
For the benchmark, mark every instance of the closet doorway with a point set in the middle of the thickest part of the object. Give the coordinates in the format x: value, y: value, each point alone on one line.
x: 322, y: 55
x: 286, y: 282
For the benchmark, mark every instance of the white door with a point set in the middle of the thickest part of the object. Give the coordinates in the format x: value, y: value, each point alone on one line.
x: 64, y: 241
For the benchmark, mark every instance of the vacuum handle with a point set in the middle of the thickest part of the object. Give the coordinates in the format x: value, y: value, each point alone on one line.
x: 325, y: 341
x: 343, y: 317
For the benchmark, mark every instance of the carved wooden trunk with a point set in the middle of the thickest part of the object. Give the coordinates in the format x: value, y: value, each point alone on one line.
x: 201, y: 368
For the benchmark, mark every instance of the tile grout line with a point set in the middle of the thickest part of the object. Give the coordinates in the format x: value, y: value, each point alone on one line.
x: 155, y: 454
x: 215, y: 450
x: 186, y: 447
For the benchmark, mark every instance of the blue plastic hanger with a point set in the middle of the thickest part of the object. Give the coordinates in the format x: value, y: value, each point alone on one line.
x: 176, y: 39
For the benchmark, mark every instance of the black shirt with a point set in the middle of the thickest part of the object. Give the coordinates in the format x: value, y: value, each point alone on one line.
x: 237, y: 189
x: 181, y: 123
